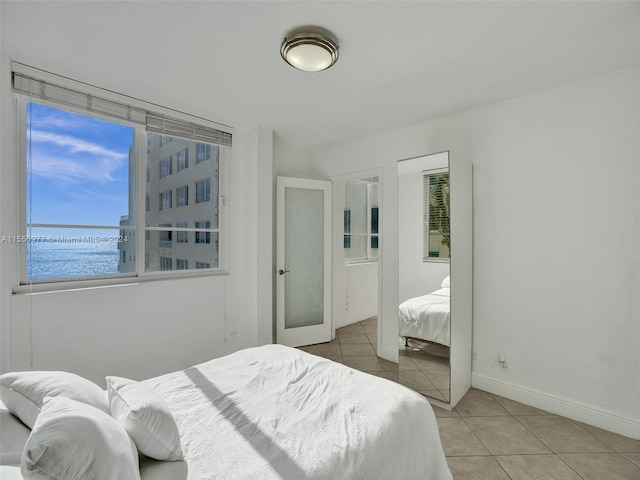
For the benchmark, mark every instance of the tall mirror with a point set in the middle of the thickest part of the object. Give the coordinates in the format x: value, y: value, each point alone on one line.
x: 424, y: 313
x: 435, y: 229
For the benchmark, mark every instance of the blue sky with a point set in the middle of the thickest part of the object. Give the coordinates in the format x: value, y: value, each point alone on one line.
x: 79, y: 168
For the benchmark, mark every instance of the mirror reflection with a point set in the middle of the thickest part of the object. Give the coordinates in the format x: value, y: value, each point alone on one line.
x: 424, y: 275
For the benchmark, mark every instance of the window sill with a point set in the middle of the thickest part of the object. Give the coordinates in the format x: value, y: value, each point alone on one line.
x: 89, y: 284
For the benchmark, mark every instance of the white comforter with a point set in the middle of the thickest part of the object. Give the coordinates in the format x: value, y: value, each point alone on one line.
x: 275, y: 412
x: 427, y: 317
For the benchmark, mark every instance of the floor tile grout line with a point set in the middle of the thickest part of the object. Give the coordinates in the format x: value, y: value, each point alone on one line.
x: 611, y: 448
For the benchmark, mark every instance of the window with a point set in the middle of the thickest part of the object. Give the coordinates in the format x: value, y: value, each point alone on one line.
x: 166, y: 263
x: 165, y: 200
x: 361, y: 235
x: 183, y: 159
x: 166, y: 236
x: 182, y: 264
x: 436, y: 231
x: 203, y: 152
x: 203, y: 191
x: 200, y: 265
x: 165, y: 167
x: 374, y: 228
x: 182, y: 236
x: 77, y: 150
x: 182, y: 196
x: 203, y: 237
x: 347, y: 228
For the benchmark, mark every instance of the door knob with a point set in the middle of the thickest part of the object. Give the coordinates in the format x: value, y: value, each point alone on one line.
x: 282, y: 272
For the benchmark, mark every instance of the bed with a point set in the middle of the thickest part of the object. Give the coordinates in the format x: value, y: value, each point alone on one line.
x: 275, y: 412
x: 427, y: 317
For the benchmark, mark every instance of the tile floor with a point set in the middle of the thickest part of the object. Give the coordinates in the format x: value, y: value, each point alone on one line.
x: 488, y: 437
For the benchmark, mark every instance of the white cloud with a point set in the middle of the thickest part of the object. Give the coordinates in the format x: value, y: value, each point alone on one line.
x: 75, y: 145
x: 71, y: 160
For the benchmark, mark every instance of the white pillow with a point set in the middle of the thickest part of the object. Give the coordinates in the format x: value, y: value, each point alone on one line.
x: 446, y: 283
x: 13, y: 436
x: 23, y: 392
x: 75, y: 441
x: 146, y: 417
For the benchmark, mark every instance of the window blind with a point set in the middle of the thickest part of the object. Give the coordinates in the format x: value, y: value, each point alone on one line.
x: 71, y: 98
x: 425, y: 217
x: 178, y: 128
x: 435, y: 208
x: 153, y: 122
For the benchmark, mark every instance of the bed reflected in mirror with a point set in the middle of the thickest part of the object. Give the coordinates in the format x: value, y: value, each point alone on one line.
x: 424, y: 320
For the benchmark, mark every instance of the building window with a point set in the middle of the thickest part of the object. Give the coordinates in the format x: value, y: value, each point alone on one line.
x: 165, y: 167
x: 203, y: 191
x: 203, y: 152
x: 182, y: 236
x: 182, y: 264
x: 361, y: 219
x: 203, y: 237
x: 436, y: 232
x: 165, y: 200
x: 166, y: 237
x: 183, y: 159
x: 374, y: 228
x: 93, y: 148
x: 347, y: 228
x: 182, y: 196
x: 200, y: 265
x: 166, y: 264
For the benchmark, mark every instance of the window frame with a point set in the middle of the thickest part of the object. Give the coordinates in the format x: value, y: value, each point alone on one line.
x: 19, y: 116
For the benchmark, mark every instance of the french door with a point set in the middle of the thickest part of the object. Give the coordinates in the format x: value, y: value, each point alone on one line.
x: 303, y: 261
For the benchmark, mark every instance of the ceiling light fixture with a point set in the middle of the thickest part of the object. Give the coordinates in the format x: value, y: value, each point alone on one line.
x: 310, y: 51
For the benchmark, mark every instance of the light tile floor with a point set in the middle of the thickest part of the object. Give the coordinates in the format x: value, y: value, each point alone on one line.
x: 488, y: 437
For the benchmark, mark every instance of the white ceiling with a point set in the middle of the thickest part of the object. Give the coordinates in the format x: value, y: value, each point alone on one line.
x: 400, y: 63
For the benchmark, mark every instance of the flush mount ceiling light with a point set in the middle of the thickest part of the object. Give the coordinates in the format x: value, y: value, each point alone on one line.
x: 310, y: 51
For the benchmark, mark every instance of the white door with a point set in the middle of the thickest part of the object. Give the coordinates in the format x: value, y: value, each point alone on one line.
x: 303, y: 261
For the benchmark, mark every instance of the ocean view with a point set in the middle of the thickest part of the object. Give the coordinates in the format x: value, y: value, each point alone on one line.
x: 53, y: 259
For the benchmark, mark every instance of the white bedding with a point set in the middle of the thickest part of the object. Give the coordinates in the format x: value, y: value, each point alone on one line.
x: 275, y: 412
x: 427, y: 317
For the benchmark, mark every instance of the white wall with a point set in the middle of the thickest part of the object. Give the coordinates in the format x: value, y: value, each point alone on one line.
x: 556, y: 241
x: 355, y: 293
x: 151, y: 327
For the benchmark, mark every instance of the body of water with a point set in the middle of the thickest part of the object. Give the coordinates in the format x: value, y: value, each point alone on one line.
x: 51, y: 259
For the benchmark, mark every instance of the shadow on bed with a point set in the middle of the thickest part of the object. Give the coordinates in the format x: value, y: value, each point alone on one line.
x: 277, y: 458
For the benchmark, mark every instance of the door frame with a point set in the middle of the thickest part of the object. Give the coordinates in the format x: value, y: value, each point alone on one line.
x: 315, y: 333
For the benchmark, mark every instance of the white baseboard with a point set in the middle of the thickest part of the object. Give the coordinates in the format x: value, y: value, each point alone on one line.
x: 560, y: 406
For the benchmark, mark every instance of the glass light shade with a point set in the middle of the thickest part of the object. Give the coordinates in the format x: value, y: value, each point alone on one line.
x: 309, y: 52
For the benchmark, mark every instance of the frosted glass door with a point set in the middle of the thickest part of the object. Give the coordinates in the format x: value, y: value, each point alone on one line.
x: 303, y: 261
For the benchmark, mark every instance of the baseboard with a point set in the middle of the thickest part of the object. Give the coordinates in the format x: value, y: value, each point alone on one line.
x: 560, y: 406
